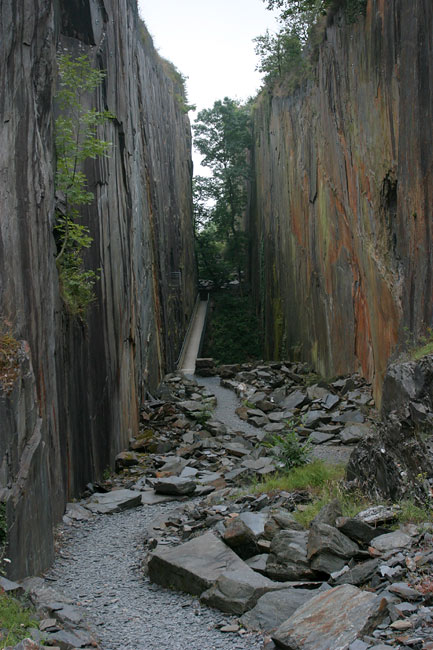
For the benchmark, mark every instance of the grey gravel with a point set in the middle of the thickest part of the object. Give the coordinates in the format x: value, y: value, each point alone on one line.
x: 100, y: 568
x: 228, y: 402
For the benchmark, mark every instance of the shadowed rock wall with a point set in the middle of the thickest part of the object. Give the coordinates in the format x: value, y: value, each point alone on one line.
x: 89, y: 378
x: 341, y: 223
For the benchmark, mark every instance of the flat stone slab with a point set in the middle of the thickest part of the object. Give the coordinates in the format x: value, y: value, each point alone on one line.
x: 151, y: 498
x: 194, y: 566
x: 333, y: 619
x: 237, y: 591
x: 391, y: 541
x: 114, y: 501
x: 175, y: 486
x: 274, y: 608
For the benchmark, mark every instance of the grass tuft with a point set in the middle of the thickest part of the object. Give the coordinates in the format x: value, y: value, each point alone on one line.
x: 15, y: 621
x: 313, y: 477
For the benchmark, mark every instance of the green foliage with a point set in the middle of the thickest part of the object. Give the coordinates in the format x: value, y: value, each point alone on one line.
x: 418, y: 347
x: 412, y: 513
x: 314, y: 476
x: 15, y: 621
x: 285, y: 55
x: 76, y: 138
x: 234, y: 335
x: 287, y: 447
x: 281, y: 56
x: 222, y: 134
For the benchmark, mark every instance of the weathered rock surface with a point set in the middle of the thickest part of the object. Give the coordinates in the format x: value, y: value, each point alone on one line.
x: 342, y: 261
x: 274, y: 608
x: 115, y: 501
x: 288, y: 556
x: 394, y: 462
x: 328, y: 549
x: 331, y: 620
x: 90, y: 381
x: 239, y: 590
x: 194, y: 566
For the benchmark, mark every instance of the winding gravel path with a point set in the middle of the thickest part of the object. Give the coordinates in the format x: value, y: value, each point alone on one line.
x: 101, y: 571
x: 228, y: 402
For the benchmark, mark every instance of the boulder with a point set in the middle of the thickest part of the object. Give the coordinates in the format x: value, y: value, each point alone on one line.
x: 279, y: 519
x: 295, y: 400
x: 331, y: 620
x: 125, y: 459
x: 240, y: 538
x: 328, y: 514
x: 328, y: 549
x: 175, y: 485
x: 115, y: 501
x: 195, y: 565
x: 359, y: 575
x: 237, y: 591
x: 390, y: 541
x: 357, y: 530
x: 354, y: 433
x: 274, y: 608
x: 288, y: 556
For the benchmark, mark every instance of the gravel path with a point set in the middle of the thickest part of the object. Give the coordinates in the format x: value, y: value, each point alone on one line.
x: 228, y: 402
x: 101, y: 571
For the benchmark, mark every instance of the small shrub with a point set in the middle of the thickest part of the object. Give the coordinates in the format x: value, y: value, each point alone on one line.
x: 287, y: 448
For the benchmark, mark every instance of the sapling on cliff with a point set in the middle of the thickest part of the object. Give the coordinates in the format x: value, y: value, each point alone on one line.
x: 76, y: 140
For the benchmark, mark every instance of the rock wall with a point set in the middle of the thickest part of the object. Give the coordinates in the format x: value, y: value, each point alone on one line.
x: 342, y: 205
x: 89, y: 378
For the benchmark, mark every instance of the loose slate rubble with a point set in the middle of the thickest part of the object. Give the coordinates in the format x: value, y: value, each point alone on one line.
x: 246, y: 554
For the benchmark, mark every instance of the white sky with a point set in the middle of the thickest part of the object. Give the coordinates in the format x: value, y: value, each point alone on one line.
x: 210, y: 42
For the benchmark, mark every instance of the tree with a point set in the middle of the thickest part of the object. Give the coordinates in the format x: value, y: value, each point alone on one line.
x: 223, y: 137
x: 76, y: 140
x: 301, y: 15
x: 280, y: 55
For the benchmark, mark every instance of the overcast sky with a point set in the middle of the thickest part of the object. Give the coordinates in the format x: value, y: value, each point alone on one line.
x: 210, y: 42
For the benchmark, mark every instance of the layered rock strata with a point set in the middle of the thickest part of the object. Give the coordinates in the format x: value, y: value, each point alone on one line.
x: 91, y: 377
x: 342, y: 199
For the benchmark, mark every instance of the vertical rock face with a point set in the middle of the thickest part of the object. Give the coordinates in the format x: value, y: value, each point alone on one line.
x: 342, y: 205
x: 90, y: 378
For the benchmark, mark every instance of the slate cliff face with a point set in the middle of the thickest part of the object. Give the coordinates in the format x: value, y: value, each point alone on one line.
x: 342, y: 205
x: 89, y: 379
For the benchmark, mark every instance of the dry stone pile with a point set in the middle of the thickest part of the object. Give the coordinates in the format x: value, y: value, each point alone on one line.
x: 344, y: 582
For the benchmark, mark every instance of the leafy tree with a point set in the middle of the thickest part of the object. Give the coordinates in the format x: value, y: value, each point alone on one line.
x: 223, y: 137
x: 76, y: 140
x: 302, y: 14
x: 280, y: 55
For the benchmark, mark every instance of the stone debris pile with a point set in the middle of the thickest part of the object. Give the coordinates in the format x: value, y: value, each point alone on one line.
x: 355, y: 582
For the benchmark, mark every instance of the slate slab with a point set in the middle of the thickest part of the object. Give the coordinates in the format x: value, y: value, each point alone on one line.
x: 391, y: 541
x: 115, y: 501
x: 175, y: 485
x: 237, y: 591
x: 194, y: 566
x: 354, y: 433
x: 274, y: 608
x: 151, y: 498
x: 288, y: 556
x: 333, y: 619
x: 328, y: 548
